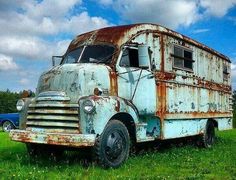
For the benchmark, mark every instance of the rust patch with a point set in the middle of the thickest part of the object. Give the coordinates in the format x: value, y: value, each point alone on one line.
x: 213, y: 86
x: 161, y: 89
x: 25, y: 94
x: 197, y: 115
x: 113, y: 83
x: 46, y: 79
x: 117, y: 107
x: 164, y: 76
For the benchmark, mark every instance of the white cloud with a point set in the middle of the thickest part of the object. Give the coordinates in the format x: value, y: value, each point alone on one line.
x: 83, y: 22
x: 7, y: 63
x: 27, y: 47
x: 197, y: 31
x: 25, y: 25
x: 170, y: 13
x: 50, y: 8
x: 217, y: 8
x: 61, y: 47
x: 24, y: 81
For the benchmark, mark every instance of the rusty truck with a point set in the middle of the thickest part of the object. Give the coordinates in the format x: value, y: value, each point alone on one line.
x: 119, y: 86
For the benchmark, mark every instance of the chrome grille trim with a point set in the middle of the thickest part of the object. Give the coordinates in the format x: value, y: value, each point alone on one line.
x: 52, y: 112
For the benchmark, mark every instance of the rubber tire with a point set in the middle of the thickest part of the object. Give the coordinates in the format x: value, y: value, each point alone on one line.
x: 8, y: 125
x: 101, y: 155
x: 208, y: 138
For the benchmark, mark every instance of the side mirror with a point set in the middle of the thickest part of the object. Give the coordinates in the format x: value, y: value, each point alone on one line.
x: 56, y: 60
x: 143, y: 56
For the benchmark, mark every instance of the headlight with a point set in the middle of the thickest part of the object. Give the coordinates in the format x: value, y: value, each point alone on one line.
x: 89, y: 106
x: 20, y: 104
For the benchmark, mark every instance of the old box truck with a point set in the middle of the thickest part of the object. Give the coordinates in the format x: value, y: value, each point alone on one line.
x: 123, y: 85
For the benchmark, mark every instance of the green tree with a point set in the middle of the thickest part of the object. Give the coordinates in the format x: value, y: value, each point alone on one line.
x: 8, y: 101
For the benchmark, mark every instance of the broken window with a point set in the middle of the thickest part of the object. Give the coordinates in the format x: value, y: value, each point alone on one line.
x: 129, y: 58
x: 183, y: 58
x: 225, y: 72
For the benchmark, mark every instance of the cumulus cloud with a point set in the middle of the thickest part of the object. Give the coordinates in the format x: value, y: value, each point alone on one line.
x: 25, y: 47
x: 32, y: 47
x: 7, y: 63
x: 36, y: 30
x: 217, y: 8
x: 28, y: 28
x: 170, y: 13
x: 83, y: 22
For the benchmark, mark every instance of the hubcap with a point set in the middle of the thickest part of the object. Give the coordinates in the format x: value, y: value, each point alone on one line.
x: 114, y: 145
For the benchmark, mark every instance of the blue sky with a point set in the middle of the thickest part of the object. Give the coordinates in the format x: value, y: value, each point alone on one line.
x: 32, y: 31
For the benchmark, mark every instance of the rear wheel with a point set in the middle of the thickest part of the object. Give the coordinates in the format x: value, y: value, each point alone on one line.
x: 208, y: 137
x: 7, y: 126
x: 112, y: 147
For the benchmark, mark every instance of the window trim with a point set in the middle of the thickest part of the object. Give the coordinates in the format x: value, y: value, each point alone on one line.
x: 121, y: 54
x: 182, y: 58
x: 225, y: 73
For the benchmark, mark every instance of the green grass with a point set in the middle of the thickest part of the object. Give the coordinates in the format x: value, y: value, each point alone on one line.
x: 176, y: 161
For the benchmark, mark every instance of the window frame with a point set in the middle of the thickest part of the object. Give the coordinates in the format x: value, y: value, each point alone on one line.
x: 225, y: 73
x: 121, y: 54
x: 183, y: 48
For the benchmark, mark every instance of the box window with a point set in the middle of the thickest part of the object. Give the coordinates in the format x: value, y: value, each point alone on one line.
x: 183, y: 58
x: 225, y: 72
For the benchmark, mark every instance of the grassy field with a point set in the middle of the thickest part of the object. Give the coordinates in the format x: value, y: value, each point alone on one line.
x: 177, y: 160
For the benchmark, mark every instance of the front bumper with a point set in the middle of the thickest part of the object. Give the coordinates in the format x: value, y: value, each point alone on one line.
x: 63, y: 139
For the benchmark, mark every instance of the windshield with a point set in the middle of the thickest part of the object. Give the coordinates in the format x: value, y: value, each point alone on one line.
x: 90, y: 54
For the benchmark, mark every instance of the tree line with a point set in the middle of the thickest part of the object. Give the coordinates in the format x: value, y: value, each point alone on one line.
x: 8, y: 101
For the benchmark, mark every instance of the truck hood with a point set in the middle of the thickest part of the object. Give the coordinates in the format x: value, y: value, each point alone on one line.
x: 75, y: 80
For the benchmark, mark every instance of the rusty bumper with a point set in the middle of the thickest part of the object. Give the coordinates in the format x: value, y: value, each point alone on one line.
x: 72, y: 140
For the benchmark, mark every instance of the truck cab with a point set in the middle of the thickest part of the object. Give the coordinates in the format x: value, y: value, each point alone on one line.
x: 123, y: 85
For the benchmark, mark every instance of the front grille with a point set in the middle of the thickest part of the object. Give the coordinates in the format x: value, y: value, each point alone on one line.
x: 53, y: 116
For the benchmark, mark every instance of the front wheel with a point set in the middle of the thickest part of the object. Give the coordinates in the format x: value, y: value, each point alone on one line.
x: 112, y: 146
x: 7, y: 126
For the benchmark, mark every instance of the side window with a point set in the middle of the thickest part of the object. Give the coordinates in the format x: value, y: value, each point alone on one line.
x: 183, y: 58
x: 225, y: 73
x: 129, y: 58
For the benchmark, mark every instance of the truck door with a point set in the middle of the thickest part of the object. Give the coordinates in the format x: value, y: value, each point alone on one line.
x: 136, y: 84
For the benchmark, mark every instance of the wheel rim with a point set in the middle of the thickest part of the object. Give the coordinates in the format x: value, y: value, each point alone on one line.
x: 7, y: 126
x: 115, y: 145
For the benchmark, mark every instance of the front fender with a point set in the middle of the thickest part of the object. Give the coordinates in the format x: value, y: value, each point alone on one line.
x: 105, y: 109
